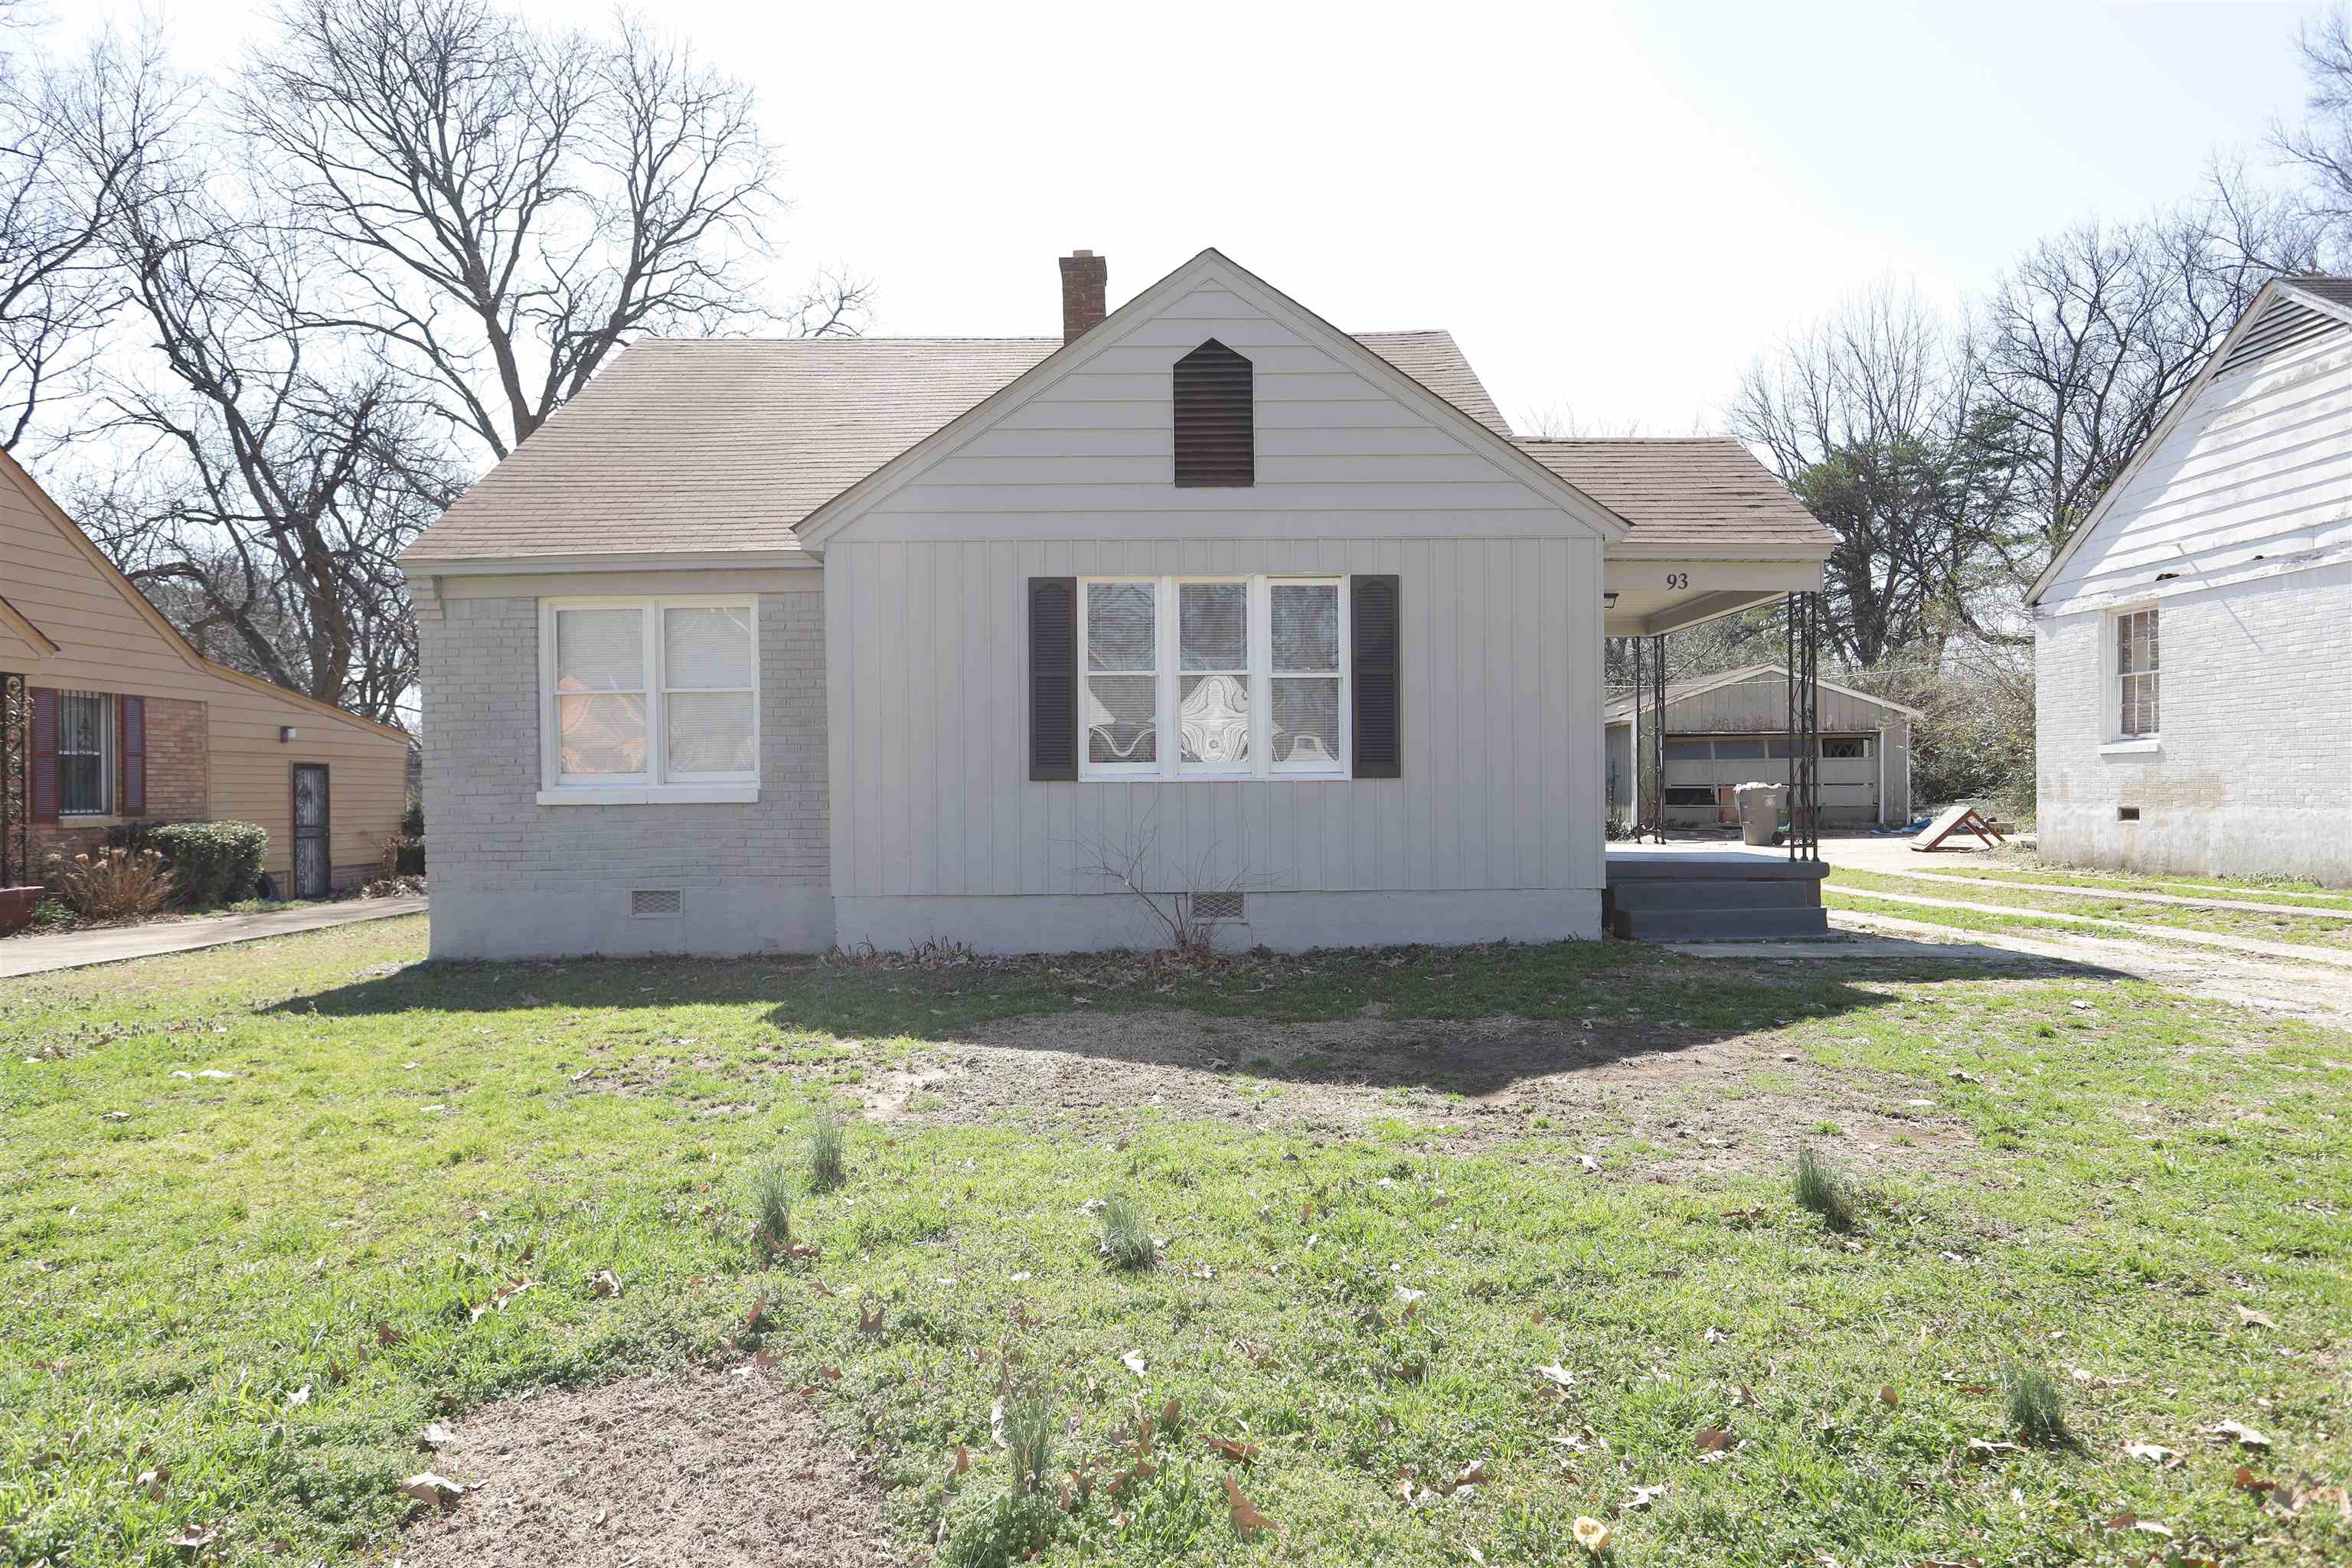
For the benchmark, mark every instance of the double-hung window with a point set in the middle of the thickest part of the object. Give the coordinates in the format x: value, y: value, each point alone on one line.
x: 1240, y: 677
x: 2136, y: 675
x: 649, y: 699
x: 85, y: 753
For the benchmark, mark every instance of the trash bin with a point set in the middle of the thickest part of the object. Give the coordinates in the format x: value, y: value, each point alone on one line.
x: 1759, y: 811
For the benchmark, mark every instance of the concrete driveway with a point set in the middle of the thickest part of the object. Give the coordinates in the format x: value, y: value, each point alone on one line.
x: 73, y: 949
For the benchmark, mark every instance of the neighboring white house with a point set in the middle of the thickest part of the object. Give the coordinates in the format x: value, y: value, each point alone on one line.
x: 2193, y: 637
x: 771, y: 645
x: 1729, y: 728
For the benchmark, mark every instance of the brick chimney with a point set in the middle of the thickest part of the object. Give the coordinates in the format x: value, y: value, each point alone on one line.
x: 1085, y: 279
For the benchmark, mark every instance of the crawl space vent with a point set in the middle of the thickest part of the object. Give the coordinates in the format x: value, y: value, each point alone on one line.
x: 1217, y: 906
x: 656, y: 902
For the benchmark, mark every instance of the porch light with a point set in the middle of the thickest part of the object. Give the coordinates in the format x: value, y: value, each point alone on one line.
x: 1609, y: 600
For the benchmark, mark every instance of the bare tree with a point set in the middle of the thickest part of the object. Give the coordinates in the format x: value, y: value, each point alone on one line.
x: 79, y: 142
x: 1867, y: 418
x: 272, y: 477
x: 512, y: 205
x: 2086, y: 341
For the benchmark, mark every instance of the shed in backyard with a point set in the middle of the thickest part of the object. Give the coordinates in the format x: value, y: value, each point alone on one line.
x: 1726, y: 729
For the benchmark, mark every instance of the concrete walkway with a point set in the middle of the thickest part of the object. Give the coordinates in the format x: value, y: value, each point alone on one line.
x: 73, y: 949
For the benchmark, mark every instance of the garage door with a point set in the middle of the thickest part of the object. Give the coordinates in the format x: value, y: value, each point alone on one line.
x: 1701, y: 771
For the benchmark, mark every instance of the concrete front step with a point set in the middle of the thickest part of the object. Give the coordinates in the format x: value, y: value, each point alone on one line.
x: 1657, y: 894
x: 1719, y: 925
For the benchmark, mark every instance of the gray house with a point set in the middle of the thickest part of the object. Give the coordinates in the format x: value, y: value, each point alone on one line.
x: 776, y: 646
x: 1725, y: 729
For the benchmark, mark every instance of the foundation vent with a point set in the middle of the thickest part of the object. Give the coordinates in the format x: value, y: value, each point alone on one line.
x: 2126, y: 814
x: 1217, y: 906
x: 656, y: 903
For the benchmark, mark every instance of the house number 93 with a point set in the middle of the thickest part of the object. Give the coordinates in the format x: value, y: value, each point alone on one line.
x: 1677, y: 579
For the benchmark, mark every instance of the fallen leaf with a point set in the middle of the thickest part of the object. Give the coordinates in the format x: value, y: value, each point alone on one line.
x: 2155, y: 1454
x: 1247, y: 1519
x: 1982, y: 1449
x: 1408, y: 1295
x: 605, y: 1282
x: 2249, y: 1318
x: 1237, y: 1452
x: 1644, y: 1496
x: 2245, y: 1481
x: 436, y: 1436
x: 962, y: 1465
x: 1713, y: 1439
x: 1558, y: 1375
x: 2239, y: 1433
x: 195, y: 1537
x: 869, y: 1323
x: 1591, y: 1534
x: 1474, y: 1474
x: 1171, y: 1416
x: 1888, y: 1397
x: 440, y: 1491
x: 1133, y: 1362
x: 299, y: 1398
x: 1742, y: 1395
x: 1588, y: 1162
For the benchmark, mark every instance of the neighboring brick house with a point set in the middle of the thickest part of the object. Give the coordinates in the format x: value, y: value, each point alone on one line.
x: 2193, y: 637
x: 111, y: 717
x: 771, y: 645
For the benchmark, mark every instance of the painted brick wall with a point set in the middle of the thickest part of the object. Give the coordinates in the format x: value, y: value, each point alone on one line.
x: 2253, y: 771
x: 177, y: 780
x: 511, y: 877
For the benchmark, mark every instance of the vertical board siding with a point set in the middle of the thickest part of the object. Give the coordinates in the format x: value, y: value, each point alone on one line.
x: 1502, y: 779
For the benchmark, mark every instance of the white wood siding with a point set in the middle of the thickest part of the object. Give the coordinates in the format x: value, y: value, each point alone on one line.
x: 2260, y: 464
x: 1501, y: 785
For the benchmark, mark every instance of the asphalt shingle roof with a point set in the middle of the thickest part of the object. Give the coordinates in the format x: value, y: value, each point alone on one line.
x: 1686, y: 492
x: 717, y: 445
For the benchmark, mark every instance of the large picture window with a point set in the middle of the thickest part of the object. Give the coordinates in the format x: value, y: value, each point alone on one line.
x: 1213, y: 677
x: 85, y: 753
x: 649, y: 699
x: 2136, y: 675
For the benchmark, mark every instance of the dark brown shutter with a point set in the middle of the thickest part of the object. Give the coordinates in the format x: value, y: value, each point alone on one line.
x: 1373, y: 673
x: 1216, y: 418
x: 133, y: 752
x: 1053, y: 677
x: 45, y: 754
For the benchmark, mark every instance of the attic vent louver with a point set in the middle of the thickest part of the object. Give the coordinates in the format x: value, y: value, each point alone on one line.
x: 2279, y: 327
x: 1216, y: 418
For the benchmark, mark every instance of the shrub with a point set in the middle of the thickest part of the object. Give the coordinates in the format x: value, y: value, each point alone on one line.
x: 1820, y: 1188
x: 828, y: 1153
x: 411, y: 821
x: 214, y: 862
x: 111, y: 885
x: 2037, y: 1402
x: 1126, y: 1240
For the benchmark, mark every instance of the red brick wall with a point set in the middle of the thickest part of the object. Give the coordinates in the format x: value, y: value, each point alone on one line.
x: 178, y: 782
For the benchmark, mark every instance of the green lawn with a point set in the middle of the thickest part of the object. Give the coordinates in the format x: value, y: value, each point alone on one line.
x: 399, y: 1145
x: 2331, y: 929
x: 2253, y: 890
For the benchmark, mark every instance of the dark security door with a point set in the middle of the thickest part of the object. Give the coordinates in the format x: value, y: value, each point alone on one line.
x: 313, y: 873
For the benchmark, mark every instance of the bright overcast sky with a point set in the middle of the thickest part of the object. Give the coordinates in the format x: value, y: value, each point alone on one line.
x: 1612, y: 208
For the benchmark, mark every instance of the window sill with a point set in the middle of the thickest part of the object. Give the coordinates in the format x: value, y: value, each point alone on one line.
x: 2132, y: 748
x: 1214, y: 778
x: 652, y: 795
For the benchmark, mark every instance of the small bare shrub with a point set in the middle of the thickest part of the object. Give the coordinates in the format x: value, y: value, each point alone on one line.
x: 111, y: 885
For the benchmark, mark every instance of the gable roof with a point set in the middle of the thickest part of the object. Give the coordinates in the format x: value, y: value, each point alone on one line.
x: 1620, y: 707
x: 2322, y: 297
x: 70, y: 530
x: 1213, y: 265
x: 721, y: 446
x: 1685, y: 495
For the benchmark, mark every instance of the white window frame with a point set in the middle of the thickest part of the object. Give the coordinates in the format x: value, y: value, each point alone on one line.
x: 1169, y: 765
x: 108, y: 758
x: 658, y: 785
x: 2111, y: 664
